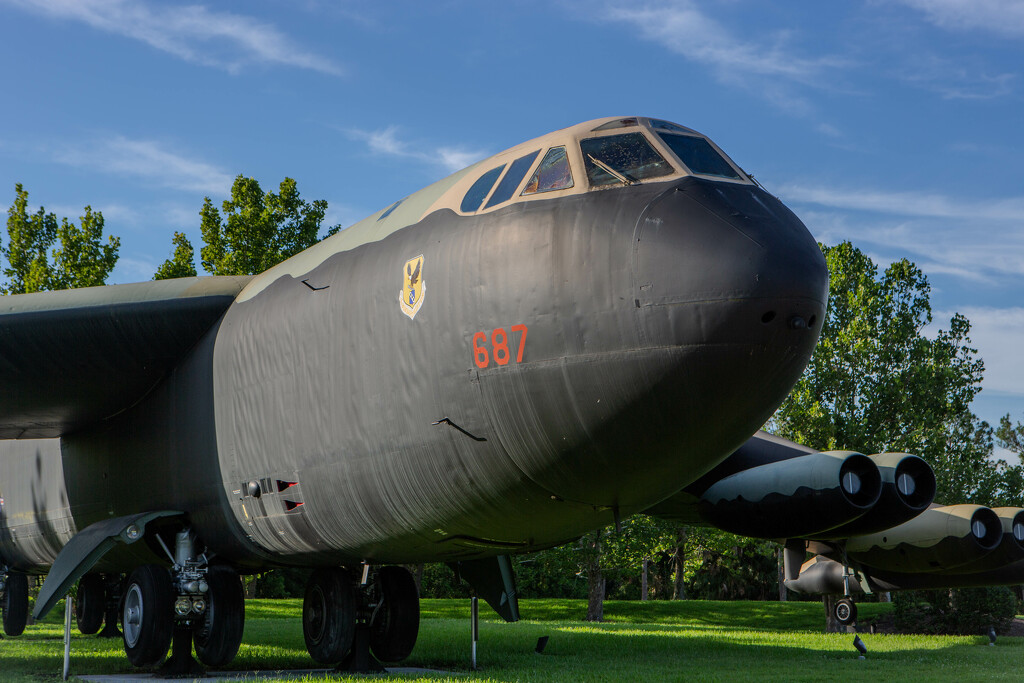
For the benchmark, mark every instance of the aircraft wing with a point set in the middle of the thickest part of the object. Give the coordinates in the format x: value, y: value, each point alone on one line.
x: 70, y: 358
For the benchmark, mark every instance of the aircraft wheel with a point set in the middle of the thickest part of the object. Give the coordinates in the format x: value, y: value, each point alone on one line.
x: 845, y: 611
x: 15, y: 604
x: 147, y: 615
x: 90, y: 604
x: 329, y: 615
x: 219, y: 634
x: 396, y: 621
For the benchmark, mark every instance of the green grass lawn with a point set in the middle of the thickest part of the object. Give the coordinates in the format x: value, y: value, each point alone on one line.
x: 651, y: 641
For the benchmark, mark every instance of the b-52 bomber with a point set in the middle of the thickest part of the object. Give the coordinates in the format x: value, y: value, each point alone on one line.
x: 591, y: 324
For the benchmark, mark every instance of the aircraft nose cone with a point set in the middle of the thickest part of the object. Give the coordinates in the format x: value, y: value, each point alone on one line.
x: 704, y: 241
x: 728, y: 295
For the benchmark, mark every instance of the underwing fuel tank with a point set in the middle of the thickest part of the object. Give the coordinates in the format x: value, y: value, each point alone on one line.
x: 940, y: 538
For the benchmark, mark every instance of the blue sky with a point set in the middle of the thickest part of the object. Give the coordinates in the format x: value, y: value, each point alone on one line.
x: 896, y: 125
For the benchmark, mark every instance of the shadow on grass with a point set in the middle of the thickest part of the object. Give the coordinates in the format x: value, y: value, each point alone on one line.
x: 704, y: 641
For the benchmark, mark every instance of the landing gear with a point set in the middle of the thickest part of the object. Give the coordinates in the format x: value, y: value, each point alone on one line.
x: 113, y: 587
x: 90, y: 603
x: 343, y: 624
x: 329, y: 615
x: 147, y: 615
x: 395, y: 621
x: 15, y: 594
x: 845, y: 611
x: 218, y: 633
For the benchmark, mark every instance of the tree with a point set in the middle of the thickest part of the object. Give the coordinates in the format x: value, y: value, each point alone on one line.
x: 877, y: 383
x: 44, y: 254
x: 252, y: 232
x: 1011, y: 436
x: 182, y: 262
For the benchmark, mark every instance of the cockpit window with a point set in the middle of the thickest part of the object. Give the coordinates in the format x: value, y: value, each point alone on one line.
x: 507, y: 187
x: 621, y: 159
x: 617, y: 123
x: 389, y: 210
x: 699, y: 156
x: 668, y: 125
x: 478, y: 192
x: 552, y: 174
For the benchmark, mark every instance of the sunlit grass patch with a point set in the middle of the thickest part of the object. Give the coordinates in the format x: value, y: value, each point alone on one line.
x: 689, y: 640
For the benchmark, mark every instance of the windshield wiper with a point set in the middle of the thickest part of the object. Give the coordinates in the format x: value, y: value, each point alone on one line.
x: 610, y: 171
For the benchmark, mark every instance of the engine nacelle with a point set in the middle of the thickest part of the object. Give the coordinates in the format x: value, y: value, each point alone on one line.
x: 1011, y: 547
x: 908, y: 488
x: 802, y: 497
x: 939, y: 539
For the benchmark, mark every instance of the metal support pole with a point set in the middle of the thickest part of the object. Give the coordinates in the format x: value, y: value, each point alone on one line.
x: 67, y: 636
x: 474, y: 619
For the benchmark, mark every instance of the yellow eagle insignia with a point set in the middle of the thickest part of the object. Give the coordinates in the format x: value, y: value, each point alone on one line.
x: 413, y: 287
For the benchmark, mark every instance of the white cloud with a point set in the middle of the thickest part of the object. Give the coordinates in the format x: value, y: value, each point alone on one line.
x: 148, y: 160
x: 682, y: 28
x: 385, y: 142
x: 1001, y: 17
x: 976, y: 241
x: 925, y: 204
x: 112, y: 213
x: 768, y: 66
x: 964, y: 78
x: 190, y: 32
x: 137, y: 269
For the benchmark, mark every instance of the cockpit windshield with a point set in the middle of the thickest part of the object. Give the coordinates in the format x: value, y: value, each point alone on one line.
x: 698, y: 155
x: 624, y: 159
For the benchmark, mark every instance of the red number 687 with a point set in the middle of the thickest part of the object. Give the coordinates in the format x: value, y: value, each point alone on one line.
x: 500, y: 351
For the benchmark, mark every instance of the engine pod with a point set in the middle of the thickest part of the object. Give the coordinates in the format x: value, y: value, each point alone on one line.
x: 939, y: 539
x: 800, y: 497
x: 908, y: 488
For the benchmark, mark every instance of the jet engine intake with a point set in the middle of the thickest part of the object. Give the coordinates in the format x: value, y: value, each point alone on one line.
x: 908, y: 488
x: 940, y: 538
x: 800, y: 497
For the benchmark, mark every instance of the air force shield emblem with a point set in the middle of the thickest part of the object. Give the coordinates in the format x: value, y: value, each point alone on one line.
x: 413, y: 287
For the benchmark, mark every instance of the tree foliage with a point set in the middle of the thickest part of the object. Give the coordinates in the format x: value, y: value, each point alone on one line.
x: 182, y: 262
x: 1011, y: 436
x: 878, y: 383
x: 43, y: 253
x: 251, y: 232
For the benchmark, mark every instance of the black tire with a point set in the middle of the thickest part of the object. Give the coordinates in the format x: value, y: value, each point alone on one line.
x: 845, y: 611
x: 147, y: 615
x: 219, y: 634
x: 90, y: 604
x: 329, y: 615
x: 396, y: 621
x: 15, y: 604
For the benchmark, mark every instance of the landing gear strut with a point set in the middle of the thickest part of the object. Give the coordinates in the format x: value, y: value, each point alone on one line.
x: 845, y: 610
x: 112, y: 589
x: 193, y: 603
